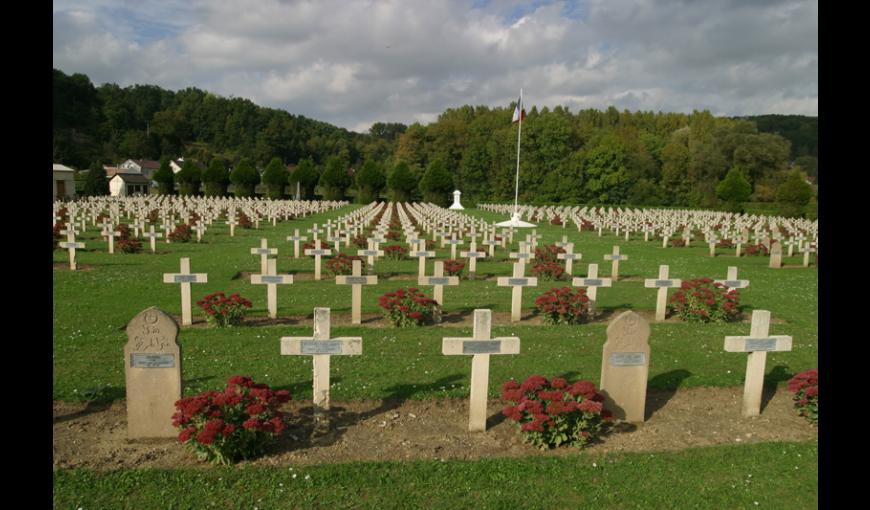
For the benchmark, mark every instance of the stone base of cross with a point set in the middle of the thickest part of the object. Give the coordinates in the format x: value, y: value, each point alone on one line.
x: 757, y: 344
x: 480, y: 346
x: 321, y: 347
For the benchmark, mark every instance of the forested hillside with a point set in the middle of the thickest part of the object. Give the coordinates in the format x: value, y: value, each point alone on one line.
x: 584, y: 157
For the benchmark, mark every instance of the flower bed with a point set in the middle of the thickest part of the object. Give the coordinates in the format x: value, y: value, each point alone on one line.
x: 724, y: 243
x: 235, y: 424
x: 360, y: 242
x: 129, y: 245
x: 678, y: 243
x: 124, y: 229
x: 563, y: 306
x: 341, y: 264
x: 224, y: 311
x: 805, y: 386
x: 756, y: 250
x: 245, y: 221
x: 394, y: 235
x: 703, y: 300
x: 181, y: 234
x: 395, y: 251
x: 407, y: 307
x: 548, y: 270
x: 552, y: 413
x: 556, y: 220
x: 453, y: 267
x: 548, y: 253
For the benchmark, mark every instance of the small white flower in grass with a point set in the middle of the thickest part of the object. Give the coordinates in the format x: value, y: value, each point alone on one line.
x: 294, y: 475
x: 308, y: 477
x: 594, y: 465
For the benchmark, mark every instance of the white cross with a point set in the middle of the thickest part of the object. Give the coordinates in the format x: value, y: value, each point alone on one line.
x: 71, y: 244
x: 663, y: 284
x: 421, y: 254
x: 480, y: 346
x: 356, y: 281
x: 264, y: 251
x: 271, y: 279
x: 320, y: 346
x: 731, y: 281
x: 472, y: 255
x: 757, y: 344
x: 569, y: 258
x: 317, y: 252
x: 153, y: 235
x: 296, y: 238
x: 439, y: 281
x: 592, y: 281
x: 614, y: 267
x: 517, y: 281
x: 185, y: 278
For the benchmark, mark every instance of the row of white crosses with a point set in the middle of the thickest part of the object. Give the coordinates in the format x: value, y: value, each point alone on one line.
x: 321, y: 346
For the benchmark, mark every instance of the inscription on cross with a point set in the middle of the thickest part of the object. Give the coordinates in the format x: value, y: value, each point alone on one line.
x: 321, y: 347
x: 480, y: 346
x: 569, y: 257
x: 757, y: 344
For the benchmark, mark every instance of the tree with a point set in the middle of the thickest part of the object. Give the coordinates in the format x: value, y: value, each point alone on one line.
x: 793, y: 195
x: 606, y: 174
x: 188, y: 178
x: 96, y: 184
x: 370, y: 180
x: 164, y: 178
x: 275, y: 178
x: 734, y: 189
x: 437, y: 183
x: 216, y: 177
x: 402, y: 182
x: 245, y: 179
x: 306, y: 175
x: 335, y: 180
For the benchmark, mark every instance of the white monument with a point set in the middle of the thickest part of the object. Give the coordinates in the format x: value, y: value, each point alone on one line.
x: 456, y: 205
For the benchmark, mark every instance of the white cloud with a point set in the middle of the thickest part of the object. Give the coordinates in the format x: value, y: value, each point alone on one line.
x: 356, y: 63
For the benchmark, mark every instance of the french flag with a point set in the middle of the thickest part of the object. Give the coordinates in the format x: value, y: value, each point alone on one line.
x: 519, y: 112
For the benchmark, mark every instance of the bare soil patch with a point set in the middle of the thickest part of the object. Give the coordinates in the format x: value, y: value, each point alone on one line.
x: 434, y: 429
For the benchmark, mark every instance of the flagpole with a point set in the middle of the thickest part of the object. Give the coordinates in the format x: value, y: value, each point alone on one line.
x: 519, y: 131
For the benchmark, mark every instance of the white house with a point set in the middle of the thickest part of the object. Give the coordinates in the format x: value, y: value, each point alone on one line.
x: 64, y: 182
x: 127, y: 184
x: 144, y: 167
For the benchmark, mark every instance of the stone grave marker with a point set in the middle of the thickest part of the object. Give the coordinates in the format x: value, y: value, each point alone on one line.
x: 775, y: 255
x: 625, y: 367
x: 71, y: 244
x: 480, y: 346
x: 421, y: 255
x: 271, y: 279
x: 662, y: 284
x: 152, y: 235
x: 321, y: 347
x: 356, y: 281
x: 757, y: 344
x: 517, y: 281
x: 472, y: 255
x: 152, y: 372
x: 185, y: 278
x: 569, y: 257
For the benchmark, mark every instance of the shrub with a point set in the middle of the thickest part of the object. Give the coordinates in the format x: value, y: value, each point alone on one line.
x: 124, y: 229
x: 310, y: 245
x: 244, y: 178
x: 430, y: 243
x: 245, y: 221
x: 395, y: 251
x: 552, y: 413
x: 224, y: 311
x: 556, y: 220
x: 275, y: 178
x: 129, y: 245
x: 453, y: 267
x: 703, y: 300
x: 563, y: 306
x: 548, y: 270
x: 548, y: 253
x: 407, y: 307
x: 757, y: 250
x: 805, y: 386
x: 436, y: 183
x: 724, y: 243
x: 181, y: 234
x: 360, y: 241
x: 678, y: 243
x: 237, y: 423
x: 394, y: 235
x: 341, y: 264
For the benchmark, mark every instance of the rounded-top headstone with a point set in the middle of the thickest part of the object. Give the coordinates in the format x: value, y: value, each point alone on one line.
x: 152, y: 365
x: 625, y: 367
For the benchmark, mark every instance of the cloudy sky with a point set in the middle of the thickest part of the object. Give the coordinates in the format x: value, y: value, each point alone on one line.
x: 353, y: 63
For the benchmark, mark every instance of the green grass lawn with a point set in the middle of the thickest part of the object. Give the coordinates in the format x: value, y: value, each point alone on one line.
x: 92, y: 307
x: 763, y: 475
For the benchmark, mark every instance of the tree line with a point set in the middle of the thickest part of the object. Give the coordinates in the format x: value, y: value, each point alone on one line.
x: 593, y: 157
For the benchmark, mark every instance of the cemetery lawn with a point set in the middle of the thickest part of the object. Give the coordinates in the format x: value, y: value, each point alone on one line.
x: 93, y: 305
x: 763, y: 475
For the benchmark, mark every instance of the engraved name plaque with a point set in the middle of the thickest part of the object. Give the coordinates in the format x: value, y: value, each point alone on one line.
x: 760, y: 344
x: 481, y: 347
x: 321, y: 347
x: 152, y: 360
x: 185, y: 278
x: 518, y: 281
x: 627, y: 359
